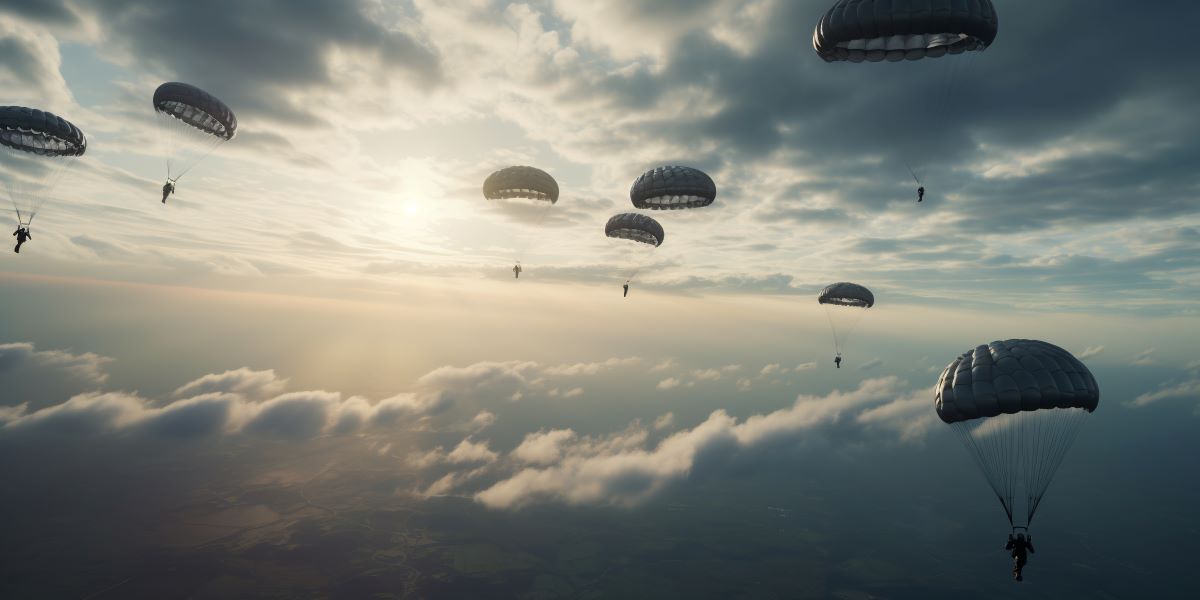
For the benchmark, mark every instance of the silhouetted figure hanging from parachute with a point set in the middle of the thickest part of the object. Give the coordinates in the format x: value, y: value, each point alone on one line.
x: 908, y: 30
x: 637, y: 236
x: 1018, y: 547
x: 845, y: 304
x: 1017, y: 406
x: 527, y: 191
x: 39, y: 148
x: 23, y: 235
x: 194, y: 124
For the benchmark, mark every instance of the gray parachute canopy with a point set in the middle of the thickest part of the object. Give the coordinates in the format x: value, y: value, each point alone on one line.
x: 673, y: 188
x: 1013, y: 376
x: 635, y: 227
x: 1016, y: 406
x: 39, y: 132
x: 196, y: 108
x: 894, y: 30
x: 521, y: 182
x: 847, y: 294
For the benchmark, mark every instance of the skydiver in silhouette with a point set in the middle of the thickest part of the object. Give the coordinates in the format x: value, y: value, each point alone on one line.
x: 23, y: 236
x: 837, y: 360
x: 168, y: 189
x: 626, y: 288
x: 1019, y: 546
x: 920, y: 193
x: 517, y: 271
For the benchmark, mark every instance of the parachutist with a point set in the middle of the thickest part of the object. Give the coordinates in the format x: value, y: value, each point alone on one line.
x: 23, y: 236
x: 1019, y: 545
x: 168, y: 189
x: 837, y: 361
x: 920, y: 193
x: 626, y: 288
x: 517, y: 271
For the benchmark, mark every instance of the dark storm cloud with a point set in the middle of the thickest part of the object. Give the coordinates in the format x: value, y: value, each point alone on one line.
x: 44, y: 11
x: 20, y: 61
x: 1055, y: 73
x: 253, y: 53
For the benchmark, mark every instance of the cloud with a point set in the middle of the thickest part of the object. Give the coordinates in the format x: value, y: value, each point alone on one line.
x: 1187, y: 390
x: 715, y: 374
x: 871, y: 364
x: 664, y: 421
x: 669, y: 383
x: 1090, y: 351
x: 593, y: 368
x: 665, y: 365
x: 87, y: 367
x: 1145, y: 358
x: 621, y: 470
x: 543, y: 447
x: 243, y: 381
x: 466, y: 452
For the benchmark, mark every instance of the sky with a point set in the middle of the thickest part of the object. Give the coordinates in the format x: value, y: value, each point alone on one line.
x: 325, y: 309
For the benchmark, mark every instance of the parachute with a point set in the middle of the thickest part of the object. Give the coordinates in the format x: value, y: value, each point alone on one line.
x: 637, y: 236
x: 898, y: 30
x: 895, y: 30
x: 528, y: 183
x: 845, y: 304
x: 673, y: 188
x: 528, y: 192
x: 194, y: 124
x: 41, y: 147
x: 1017, y: 406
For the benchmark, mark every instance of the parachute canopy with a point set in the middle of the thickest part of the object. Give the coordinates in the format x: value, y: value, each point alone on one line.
x: 1013, y: 376
x: 894, y: 30
x: 521, y: 182
x: 39, y: 132
x: 847, y: 294
x: 1017, y: 406
x: 673, y: 188
x: 635, y: 227
x: 195, y: 108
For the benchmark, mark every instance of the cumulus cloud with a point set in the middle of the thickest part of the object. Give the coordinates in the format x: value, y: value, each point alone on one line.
x: 467, y: 452
x: 87, y: 367
x: 543, y: 447
x: 621, y: 470
x: 243, y: 381
x: 592, y: 368
x: 715, y: 374
x: 669, y: 383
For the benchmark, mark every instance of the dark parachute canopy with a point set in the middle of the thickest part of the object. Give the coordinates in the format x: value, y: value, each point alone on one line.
x: 193, y: 123
x: 195, y: 108
x: 1017, y: 406
x: 635, y: 227
x: 40, y: 132
x: 894, y: 30
x: 847, y: 294
x: 521, y: 182
x: 43, y: 146
x: 673, y: 188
